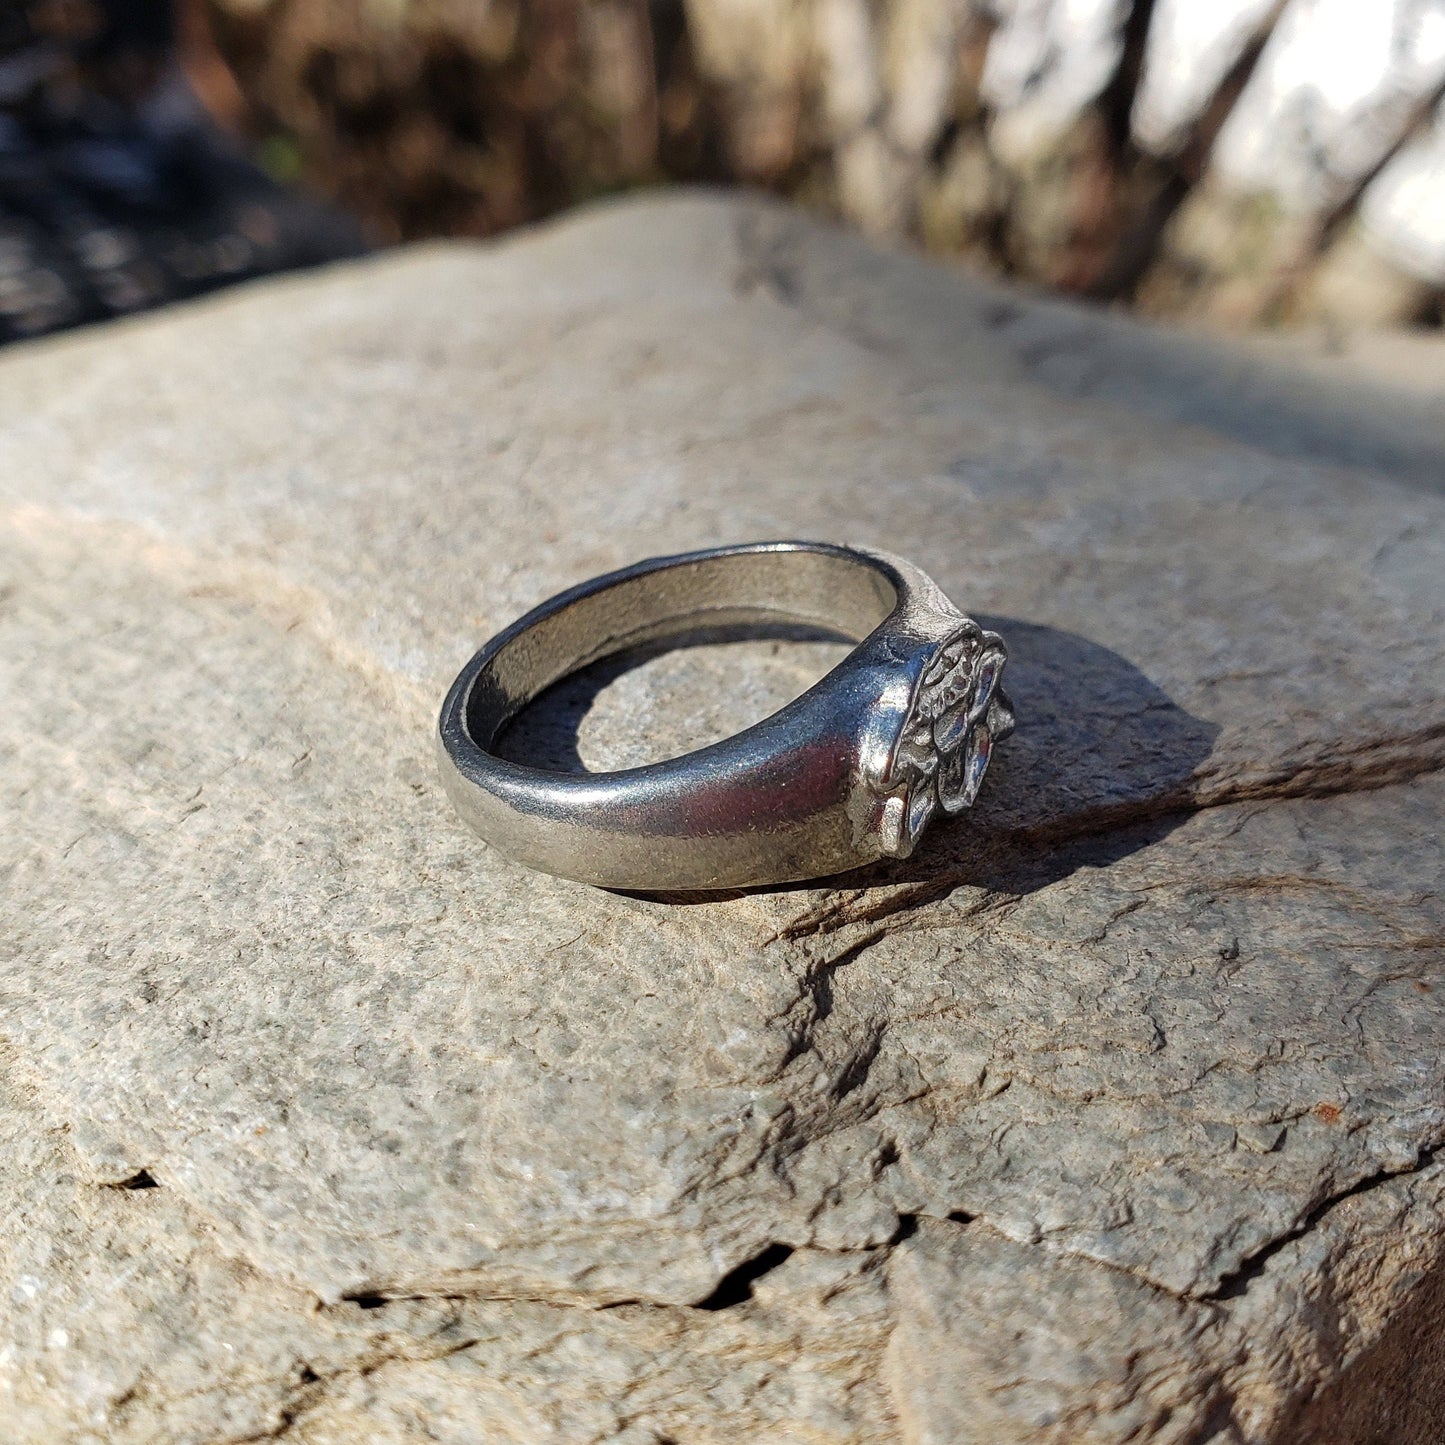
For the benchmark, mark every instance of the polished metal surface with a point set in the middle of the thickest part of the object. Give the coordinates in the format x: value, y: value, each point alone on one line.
x: 849, y: 772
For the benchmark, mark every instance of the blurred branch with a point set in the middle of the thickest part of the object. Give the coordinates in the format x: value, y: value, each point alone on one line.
x: 1179, y: 174
x: 1101, y: 200
x: 205, y: 68
x: 1116, y: 101
x: 1414, y: 116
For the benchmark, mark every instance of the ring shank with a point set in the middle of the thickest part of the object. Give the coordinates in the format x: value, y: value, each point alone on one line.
x: 785, y: 799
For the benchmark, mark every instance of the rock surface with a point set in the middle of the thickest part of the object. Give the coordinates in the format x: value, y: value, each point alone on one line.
x: 1111, y: 1115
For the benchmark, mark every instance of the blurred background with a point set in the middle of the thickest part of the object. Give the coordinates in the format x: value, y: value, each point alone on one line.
x: 1241, y: 162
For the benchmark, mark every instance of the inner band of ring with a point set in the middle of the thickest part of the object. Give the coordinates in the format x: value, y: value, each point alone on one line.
x: 786, y: 799
x: 842, y: 592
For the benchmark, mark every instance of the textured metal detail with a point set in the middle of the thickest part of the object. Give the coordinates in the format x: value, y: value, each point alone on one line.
x: 957, y: 713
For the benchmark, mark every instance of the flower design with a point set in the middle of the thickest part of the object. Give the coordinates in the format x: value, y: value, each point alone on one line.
x: 957, y: 714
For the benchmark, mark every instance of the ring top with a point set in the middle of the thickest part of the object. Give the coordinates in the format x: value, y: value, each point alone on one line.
x: 849, y: 771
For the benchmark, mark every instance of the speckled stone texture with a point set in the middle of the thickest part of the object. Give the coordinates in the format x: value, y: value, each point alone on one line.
x: 1109, y: 1116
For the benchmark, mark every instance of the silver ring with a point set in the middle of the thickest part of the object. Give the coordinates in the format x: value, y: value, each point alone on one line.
x: 847, y: 773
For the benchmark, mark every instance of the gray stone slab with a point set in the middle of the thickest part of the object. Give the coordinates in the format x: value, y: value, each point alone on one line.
x: 1148, y: 1029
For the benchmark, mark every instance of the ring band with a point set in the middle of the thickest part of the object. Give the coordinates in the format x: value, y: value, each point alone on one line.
x: 849, y: 772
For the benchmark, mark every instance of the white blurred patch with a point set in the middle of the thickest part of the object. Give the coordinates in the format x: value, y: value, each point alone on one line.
x: 1404, y: 211
x: 1047, y: 60
x: 1191, y: 45
x: 1333, y: 88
